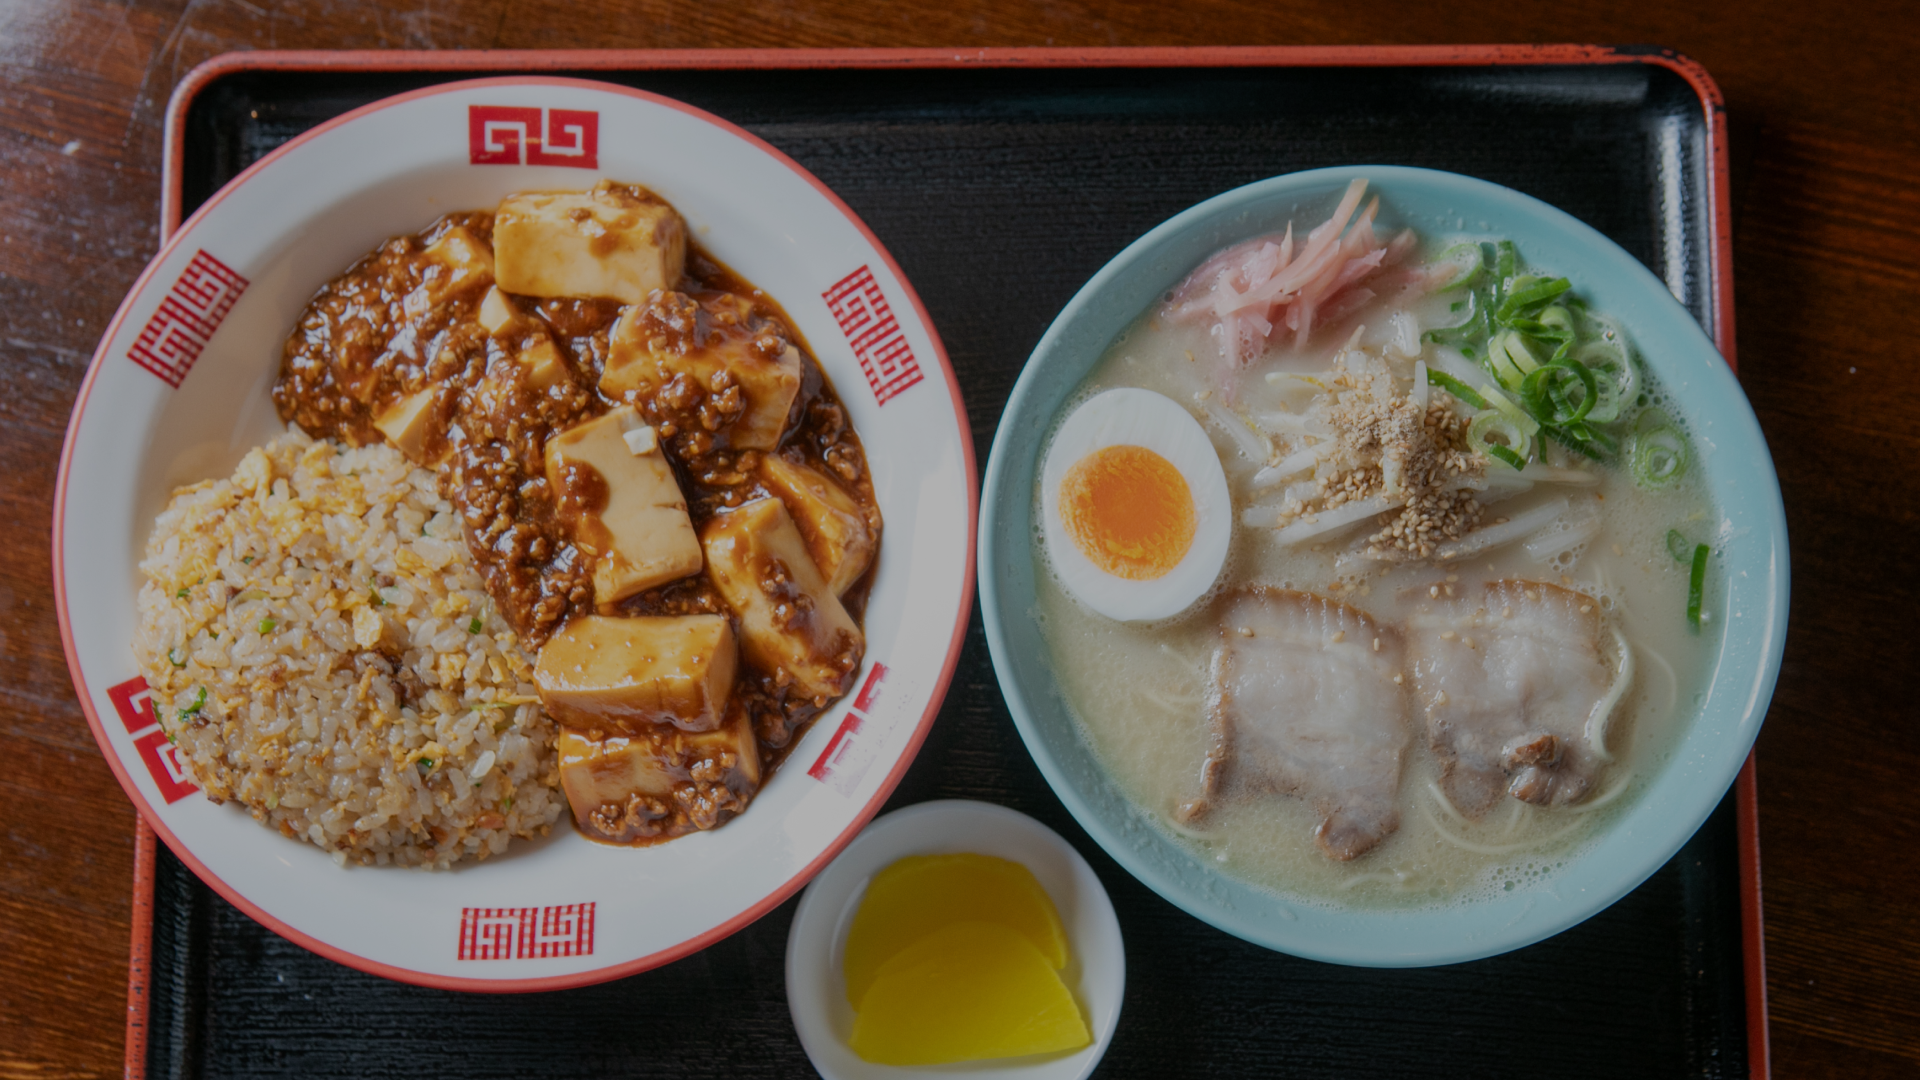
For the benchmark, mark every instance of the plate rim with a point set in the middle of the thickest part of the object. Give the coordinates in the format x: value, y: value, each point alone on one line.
x: 175, y: 239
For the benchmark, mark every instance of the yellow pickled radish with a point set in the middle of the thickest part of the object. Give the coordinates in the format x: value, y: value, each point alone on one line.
x: 922, y: 893
x: 967, y: 991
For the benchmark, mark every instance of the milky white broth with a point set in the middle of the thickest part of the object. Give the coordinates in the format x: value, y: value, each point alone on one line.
x: 1137, y: 690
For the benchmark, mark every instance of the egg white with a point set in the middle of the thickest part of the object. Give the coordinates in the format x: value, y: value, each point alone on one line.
x: 1134, y: 417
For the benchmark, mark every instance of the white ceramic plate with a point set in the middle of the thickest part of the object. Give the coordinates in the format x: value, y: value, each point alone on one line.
x: 816, y: 943
x: 178, y: 391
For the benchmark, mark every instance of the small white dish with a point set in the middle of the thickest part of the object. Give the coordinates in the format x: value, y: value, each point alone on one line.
x: 816, y: 988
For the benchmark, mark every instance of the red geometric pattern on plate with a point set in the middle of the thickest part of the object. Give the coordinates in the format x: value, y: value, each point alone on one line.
x: 845, y: 758
x: 563, y: 930
x: 133, y: 703
x: 162, y: 759
x: 512, y: 135
x: 861, y: 309
x: 870, y: 690
x: 185, y: 321
x: 526, y: 933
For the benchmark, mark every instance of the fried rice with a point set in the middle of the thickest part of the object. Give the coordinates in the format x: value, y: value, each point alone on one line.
x: 322, y: 652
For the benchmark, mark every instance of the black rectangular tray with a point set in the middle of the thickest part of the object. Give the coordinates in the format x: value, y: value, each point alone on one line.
x: 1000, y: 187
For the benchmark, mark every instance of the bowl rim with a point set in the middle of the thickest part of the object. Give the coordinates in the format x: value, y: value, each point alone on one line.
x: 1001, y: 482
x: 178, y: 237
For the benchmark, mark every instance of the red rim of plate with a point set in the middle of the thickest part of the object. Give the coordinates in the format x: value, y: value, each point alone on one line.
x: 612, y: 971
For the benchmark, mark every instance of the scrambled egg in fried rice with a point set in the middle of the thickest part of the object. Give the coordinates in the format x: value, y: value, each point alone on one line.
x: 322, y: 651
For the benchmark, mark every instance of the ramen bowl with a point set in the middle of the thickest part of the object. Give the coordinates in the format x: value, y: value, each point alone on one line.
x: 179, y: 391
x: 1715, y: 732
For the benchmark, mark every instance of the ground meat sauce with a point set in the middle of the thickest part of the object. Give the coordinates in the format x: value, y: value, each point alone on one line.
x: 367, y: 341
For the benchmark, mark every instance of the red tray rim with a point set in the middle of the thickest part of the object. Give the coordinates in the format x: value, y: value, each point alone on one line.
x: 524, y: 61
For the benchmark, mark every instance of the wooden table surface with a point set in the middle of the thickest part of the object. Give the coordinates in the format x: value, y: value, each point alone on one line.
x: 1825, y: 142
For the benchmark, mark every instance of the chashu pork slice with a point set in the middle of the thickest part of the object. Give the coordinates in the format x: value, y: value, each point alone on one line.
x: 1304, y: 701
x: 1508, y: 677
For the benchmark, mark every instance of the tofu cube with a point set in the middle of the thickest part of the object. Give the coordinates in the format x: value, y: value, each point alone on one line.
x: 617, y: 241
x: 829, y: 519
x: 790, y: 621
x: 408, y: 423
x: 624, y: 509
x: 627, y: 675
x: 517, y: 376
x: 543, y: 363
x: 595, y: 772
x: 456, y: 262
x: 499, y: 314
x: 769, y: 386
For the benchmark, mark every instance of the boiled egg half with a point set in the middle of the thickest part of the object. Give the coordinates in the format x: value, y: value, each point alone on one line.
x: 1134, y: 505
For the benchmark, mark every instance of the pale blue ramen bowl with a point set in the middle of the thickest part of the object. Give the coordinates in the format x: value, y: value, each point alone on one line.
x: 1751, y: 577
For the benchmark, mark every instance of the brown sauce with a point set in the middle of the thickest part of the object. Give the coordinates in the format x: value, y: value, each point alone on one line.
x: 358, y: 350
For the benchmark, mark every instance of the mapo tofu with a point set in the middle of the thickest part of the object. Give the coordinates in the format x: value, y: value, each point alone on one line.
x: 658, y: 486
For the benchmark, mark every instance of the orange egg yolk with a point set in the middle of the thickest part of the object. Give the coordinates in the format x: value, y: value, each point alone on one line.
x: 1129, y: 511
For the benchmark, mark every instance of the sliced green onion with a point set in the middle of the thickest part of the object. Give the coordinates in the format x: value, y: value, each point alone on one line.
x: 1560, y: 404
x: 1538, y: 330
x: 1697, y: 585
x: 1513, y: 447
x: 1547, y: 393
x: 181, y: 661
x: 181, y: 595
x: 1576, y: 443
x: 1678, y: 547
x: 1506, y: 260
x: 1523, y: 358
x: 474, y: 626
x: 1528, y: 294
x: 1557, y: 318
x: 1515, y: 460
x: 267, y: 625
x: 1465, y: 262
x: 425, y: 765
x: 1587, y: 433
x: 1513, y: 412
x: 1600, y: 353
x: 1455, y: 387
x: 1509, y: 360
x: 199, y: 701
x: 1617, y: 378
x: 1659, y: 458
